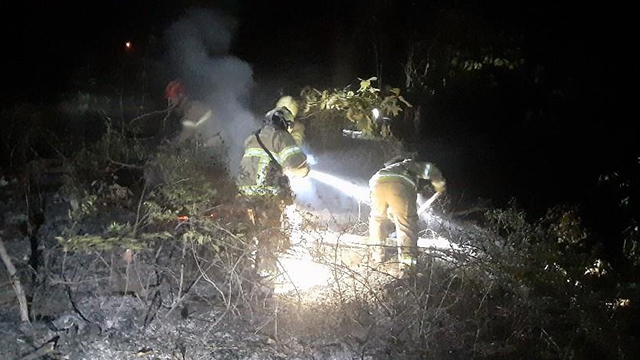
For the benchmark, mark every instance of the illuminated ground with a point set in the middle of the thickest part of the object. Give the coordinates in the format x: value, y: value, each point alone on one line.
x: 321, y: 258
x: 329, y: 302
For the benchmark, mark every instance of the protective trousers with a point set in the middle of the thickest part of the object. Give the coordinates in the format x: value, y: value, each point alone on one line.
x: 398, y: 199
x: 266, y: 213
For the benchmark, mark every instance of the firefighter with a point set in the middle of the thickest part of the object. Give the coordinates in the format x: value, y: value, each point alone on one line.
x: 394, y: 191
x: 271, y: 156
x: 193, y: 114
x: 296, y: 127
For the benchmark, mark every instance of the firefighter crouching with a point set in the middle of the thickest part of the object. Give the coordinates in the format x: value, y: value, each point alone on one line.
x: 394, y: 190
x: 271, y: 156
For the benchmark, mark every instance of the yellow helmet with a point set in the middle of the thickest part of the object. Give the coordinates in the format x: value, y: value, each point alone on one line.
x: 289, y: 103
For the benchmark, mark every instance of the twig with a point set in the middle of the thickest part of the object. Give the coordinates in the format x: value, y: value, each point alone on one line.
x: 152, y: 310
x: 360, y: 279
x: 284, y: 271
x: 43, y: 350
x: 126, y: 283
x: 275, y: 321
x: 127, y: 166
x: 15, y: 281
x: 484, y: 297
x: 74, y: 305
x: 184, y: 251
x: 209, y: 280
x: 140, y: 117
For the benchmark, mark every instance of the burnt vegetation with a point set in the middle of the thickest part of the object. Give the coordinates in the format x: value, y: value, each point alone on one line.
x: 120, y: 242
x: 150, y: 232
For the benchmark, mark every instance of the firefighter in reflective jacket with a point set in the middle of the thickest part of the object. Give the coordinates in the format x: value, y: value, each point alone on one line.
x: 394, y: 191
x: 296, y: 128
x: 271, y: 156
x: 193, y: 113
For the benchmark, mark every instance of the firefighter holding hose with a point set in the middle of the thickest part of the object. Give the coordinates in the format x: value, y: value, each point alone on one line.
x: 394, y: 190
x: 271, y: 156
x: 193, y: 113
x: 296, y: 128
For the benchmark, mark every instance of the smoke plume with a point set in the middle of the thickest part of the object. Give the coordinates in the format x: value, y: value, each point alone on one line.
x: 199, y: 44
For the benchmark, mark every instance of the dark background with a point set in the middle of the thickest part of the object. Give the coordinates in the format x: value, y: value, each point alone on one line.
x: 545, y: 137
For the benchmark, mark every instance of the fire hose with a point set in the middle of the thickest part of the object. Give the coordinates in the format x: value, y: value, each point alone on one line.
x: 427, y: 204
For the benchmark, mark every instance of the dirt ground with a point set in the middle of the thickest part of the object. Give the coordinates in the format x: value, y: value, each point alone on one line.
x: 85, y: 321
x: 96, y: 305
x: 122, y: 303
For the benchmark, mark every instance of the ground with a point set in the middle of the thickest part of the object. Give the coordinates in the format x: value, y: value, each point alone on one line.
x: 123, y: 303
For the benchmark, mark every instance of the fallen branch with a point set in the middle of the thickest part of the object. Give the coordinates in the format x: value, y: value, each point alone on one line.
x: 141, y: 117
x: 15, y: 281
x: 44, y: 350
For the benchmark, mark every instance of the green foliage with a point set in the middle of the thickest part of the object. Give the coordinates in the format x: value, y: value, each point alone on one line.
x: 113, y: 148
x: 432, y: 66
x: 549, y: 278
x: 161, y: 183
x: 356, y: 106
x: 97, y: 242
x: 507, y: 222
x: 489, y: 60
x: 621, y: 188
x: 188, y: 176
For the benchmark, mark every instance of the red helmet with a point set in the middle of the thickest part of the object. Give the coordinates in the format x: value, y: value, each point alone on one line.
x: 174, y: 90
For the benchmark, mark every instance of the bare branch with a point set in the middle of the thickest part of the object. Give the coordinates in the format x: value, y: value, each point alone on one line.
x: 15, y: 281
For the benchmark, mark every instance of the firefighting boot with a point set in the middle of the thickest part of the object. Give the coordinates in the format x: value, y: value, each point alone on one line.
x: 407, y: 265
x: 376, y: 255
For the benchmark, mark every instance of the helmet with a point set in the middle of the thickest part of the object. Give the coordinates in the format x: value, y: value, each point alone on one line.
x: 426, y: 170
x: 431, y: 172
x: 289, y: 103
x: 174, y: 90
x: 279, y: 117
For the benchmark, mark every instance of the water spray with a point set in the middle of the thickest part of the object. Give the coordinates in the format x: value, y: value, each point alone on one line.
x: 305, y: 187
x: 300, y: 270
x: 427, y: 204
x: 358, y: 192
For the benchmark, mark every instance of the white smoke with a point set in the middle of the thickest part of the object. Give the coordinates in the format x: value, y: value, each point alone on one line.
x: 199, y: 44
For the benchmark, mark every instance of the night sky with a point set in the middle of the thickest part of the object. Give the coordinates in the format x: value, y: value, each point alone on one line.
x: 586, y: 51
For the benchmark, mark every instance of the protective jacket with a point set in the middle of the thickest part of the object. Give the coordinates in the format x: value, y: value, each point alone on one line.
x: 263, y: 183
x: 194, y: 111
x: 259, y: 175
x: 192, y: 115
x: 297, y: 132
x: 394, y: 190
x: 297, y: 127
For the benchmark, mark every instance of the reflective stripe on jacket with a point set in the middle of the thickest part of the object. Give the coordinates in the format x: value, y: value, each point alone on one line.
x: 405, y: 172
x: 194, y: 111
x: 258, y: 174
x: 297, y: 131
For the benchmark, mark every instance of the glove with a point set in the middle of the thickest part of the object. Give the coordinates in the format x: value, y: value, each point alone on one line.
x: 305, y: 170
x: 300, y: 172
x: 439, y: 186
x: 297, y: 132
